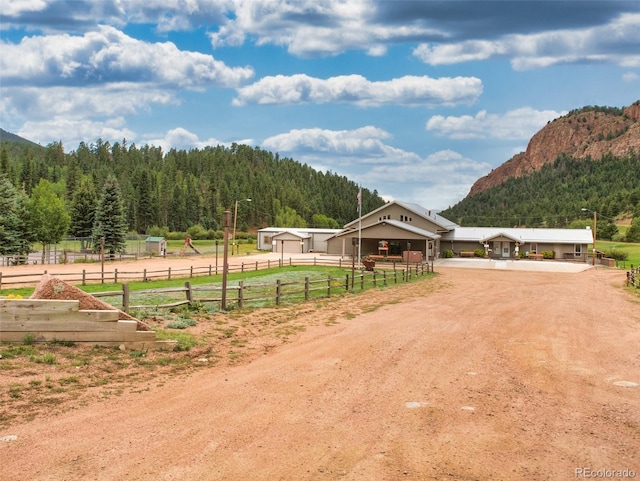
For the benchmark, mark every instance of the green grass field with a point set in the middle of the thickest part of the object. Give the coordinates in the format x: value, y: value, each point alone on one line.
x: 632, y: 249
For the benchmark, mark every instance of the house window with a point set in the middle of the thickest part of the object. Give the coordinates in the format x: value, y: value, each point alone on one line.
x: 534, y: 248
x: 577, y: 250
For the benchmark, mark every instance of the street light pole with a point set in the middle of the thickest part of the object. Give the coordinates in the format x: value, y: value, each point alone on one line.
x: 595, y: 223
x: 225, y: 260
x: 235, y: 216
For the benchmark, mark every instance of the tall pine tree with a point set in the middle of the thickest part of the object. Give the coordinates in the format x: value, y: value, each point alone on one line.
x: 83, y: 211
x: 111, y: 221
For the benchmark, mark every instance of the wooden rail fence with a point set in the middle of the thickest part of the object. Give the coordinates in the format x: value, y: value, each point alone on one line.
x: 115, y: 276
x: 275, y: 293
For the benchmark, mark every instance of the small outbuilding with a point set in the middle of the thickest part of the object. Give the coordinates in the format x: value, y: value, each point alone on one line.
x: 156, y: 245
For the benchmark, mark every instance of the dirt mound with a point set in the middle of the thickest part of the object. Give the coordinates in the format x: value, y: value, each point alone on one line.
x: 51, y: 287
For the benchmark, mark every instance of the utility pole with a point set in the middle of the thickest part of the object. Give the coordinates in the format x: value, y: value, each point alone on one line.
x: 226, y: 221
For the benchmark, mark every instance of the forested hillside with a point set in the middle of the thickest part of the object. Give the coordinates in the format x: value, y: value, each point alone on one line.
x: 555, y: 195
x: 179, y: 189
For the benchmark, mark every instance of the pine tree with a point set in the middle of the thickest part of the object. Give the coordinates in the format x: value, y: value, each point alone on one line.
x: 4, y: 161
x: 83, y: 211
x: 9, y: 235
x: 110, y: 222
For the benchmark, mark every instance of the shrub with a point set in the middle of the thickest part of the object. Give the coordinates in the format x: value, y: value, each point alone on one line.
x: 617, y: 255
x: 479, y: 252
x: 447, y: 254
x: 548, y: 254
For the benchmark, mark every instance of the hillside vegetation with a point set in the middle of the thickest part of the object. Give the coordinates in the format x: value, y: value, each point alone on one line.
x: 555, y: 196
x: 179, y: 189
x: 588, y: 159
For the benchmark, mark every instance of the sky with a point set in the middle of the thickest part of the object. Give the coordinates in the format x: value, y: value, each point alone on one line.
x: 413, y: 99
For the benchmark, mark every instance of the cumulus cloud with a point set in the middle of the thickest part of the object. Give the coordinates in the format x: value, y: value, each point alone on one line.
x: 92, y: 102
x: 365, y: 155
x: 356, y: 89
x: 180, y: 138
x: 107, y: 55
x: 308, y: 28
x: 72, y: 131
x: 515, y: 124
x: 617, y: 42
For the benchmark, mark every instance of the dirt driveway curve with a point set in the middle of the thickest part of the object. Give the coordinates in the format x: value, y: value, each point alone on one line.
x: 476, y: 375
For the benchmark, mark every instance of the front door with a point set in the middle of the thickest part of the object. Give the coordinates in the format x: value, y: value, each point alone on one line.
x: 505, y: 249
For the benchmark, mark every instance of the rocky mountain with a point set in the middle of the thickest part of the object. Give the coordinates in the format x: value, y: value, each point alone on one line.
x: 590, y: 132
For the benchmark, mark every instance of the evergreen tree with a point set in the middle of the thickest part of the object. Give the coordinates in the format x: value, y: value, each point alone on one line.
x: 9, y: 234
x: 83, y: 211
x: 48, y: 214
x: 4, y: 161
x: 110, y: 222
x: 146, y: 205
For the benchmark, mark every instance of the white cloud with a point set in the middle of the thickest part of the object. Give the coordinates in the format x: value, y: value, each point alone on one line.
x: 617, y: 42
x: 107, y: 55
x: 361, y: 145
x: 313, y: 28
x: 363, y: 154
x: 356, y: 89
x: 516, y: 124
x: 92, y: 102
x: 180, y: 138
x: 72, y: 131
x: 630, y: 77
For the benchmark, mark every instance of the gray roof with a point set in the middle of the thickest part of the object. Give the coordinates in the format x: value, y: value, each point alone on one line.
x: 411, y: 228
x: 417, y: 209
x: 395, y: 223
x: 429, y: 214
x: 557, y: 236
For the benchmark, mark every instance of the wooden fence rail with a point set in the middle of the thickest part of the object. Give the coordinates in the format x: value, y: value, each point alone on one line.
x: 275, y: 293
x: 115, y: 276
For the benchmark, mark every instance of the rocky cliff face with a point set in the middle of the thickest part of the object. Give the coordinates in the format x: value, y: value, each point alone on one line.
x: 581, y: 134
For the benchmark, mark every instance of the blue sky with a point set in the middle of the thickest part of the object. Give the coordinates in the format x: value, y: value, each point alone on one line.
x: 416, y: 99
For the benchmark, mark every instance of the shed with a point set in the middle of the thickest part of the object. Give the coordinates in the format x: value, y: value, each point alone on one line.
x: 156, y: 245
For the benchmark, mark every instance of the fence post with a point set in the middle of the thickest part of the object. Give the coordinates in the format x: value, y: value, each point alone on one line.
x: 328, y: 286
x: 115, y: 276
x: 242, y: 267
x: 191, y: 271
x: 209, y: 270
x: 256, y: 265
x: 189, y: 292
x: 384, y: 278
x: 240, y: 293
x: 0, y: 280
x: 346, y: 286
x: 278, y: 292
x: 84, y: 277
x: 306, y: 288
x: 362, y: 280
x: 144, y: 275
x: 169, y: 273
x: 374, y: 279
x: 125, y: 297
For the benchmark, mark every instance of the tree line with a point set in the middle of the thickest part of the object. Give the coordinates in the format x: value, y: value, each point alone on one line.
x: 557, y: 194
x: 103, y: 190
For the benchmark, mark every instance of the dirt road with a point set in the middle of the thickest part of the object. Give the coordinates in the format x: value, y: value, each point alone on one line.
x: 476, y: 375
